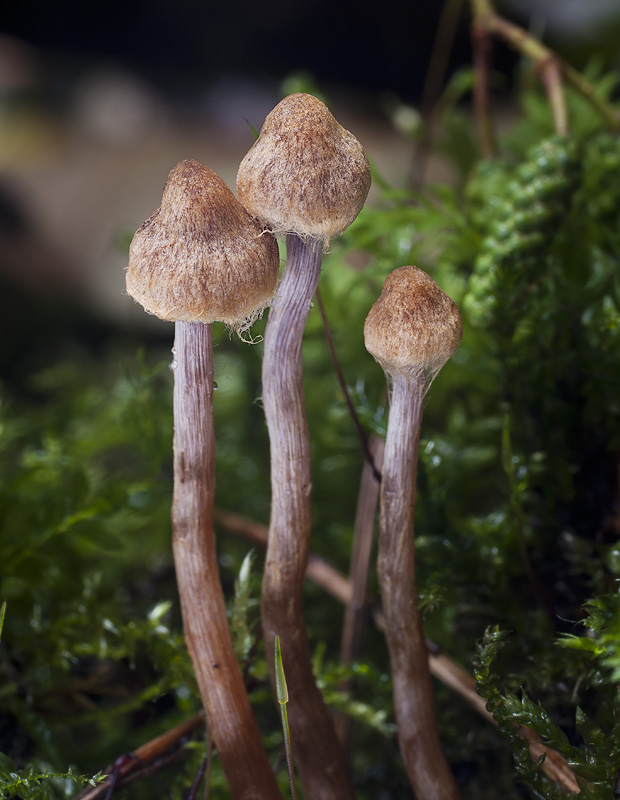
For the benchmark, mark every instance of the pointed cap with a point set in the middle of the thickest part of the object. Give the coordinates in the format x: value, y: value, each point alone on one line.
x: 201, y: 257
x: 414, y: 327
x: 305, y: 173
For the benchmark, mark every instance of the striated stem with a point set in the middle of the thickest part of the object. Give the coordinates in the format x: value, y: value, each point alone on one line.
x: 322, y: 766
x: 441, y: 666
x: 418, y: 738
x: 336, y: 585
x: 223, y: 692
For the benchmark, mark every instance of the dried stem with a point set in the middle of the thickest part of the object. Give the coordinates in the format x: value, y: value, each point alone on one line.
x: 204, y: 769
x: 318, y: 569
x: 145, y: 754
x: 418, y: 737
x: 481, y: 44
x: 219, y: 678
x: 550, y: 66
x: 322, y: 766
x: 550, y: 75
x: 459, y: 680
x: 355, y: 617
x: 441, y: 666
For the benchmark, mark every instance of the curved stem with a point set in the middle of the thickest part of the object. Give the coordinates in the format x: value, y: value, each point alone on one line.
x: 441, y: 666
x: 223, y: 692
x: 546, y: 62
x: 418, y: 738
x: 550, y: 66
x: 550, y: 76
x: 336, y: 585
x: 322, y: 766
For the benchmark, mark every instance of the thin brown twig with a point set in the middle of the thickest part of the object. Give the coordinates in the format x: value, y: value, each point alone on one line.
x: 442, y: 666
x: 550, y: 66
x: 326, y: 577
x: 345, y: 389
x: 481, y: 47
x: 145, y: 754
x: 459, y: 680
x: 546, y: 63
x: 550, y: 75
x: 153, y: 768
x: 199, y: 776
x: 361, y: 555
x: 205, y: 767
x: 363, y: 535
x: 318, y: 570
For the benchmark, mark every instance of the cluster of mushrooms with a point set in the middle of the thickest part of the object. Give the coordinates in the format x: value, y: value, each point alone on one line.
x: 205, y: 256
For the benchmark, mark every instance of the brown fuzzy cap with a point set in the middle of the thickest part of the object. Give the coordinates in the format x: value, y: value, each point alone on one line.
x: 414, y: 327
x: 201, y: 257
x: 305, y: 173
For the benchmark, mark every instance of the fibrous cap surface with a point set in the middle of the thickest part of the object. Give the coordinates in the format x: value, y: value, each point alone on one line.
x: 305, y: 173
x: 414, y: 327
x: 201, y: 257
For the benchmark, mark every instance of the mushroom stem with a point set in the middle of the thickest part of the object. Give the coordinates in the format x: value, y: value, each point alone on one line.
x: 321, y: 762
x: 223, y: 692
x: 418, y: 737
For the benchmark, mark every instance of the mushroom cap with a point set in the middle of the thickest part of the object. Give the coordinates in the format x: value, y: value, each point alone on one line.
x: 414, y: 327
x: 201, y: 257
x: 305, y: 173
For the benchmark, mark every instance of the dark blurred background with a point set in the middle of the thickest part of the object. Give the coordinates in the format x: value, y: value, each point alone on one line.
x: 99, y: 101
x: 186, y: 45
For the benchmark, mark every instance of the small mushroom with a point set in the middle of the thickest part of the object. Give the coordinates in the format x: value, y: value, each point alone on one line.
x: 305, y: 174
x: 200, y: 258
x: 307, y: 177
x: 412, y: 330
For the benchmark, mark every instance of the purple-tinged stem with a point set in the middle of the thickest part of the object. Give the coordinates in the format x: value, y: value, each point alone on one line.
x: 229, y: 714
x: 418, y: 737
x: 322, y: 766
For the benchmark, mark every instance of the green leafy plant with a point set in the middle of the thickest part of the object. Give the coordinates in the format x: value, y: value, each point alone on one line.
x: 282, y: 695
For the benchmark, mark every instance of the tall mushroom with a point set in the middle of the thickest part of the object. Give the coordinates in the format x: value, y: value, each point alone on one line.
x: 412, y: 330
x: 307, y: 177
x: 200, y: 258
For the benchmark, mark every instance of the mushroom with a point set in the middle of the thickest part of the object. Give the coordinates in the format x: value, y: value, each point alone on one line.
x: 412, y: 330
x: 200, y: 258
x: 307, y: 177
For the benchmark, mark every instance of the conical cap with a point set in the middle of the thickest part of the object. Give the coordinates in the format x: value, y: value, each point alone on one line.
x: 201, y: 257
x: 414, y: 327
x: 305, y: 173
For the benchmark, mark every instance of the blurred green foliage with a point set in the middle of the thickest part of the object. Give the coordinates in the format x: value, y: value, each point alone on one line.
x: 517, y: 518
